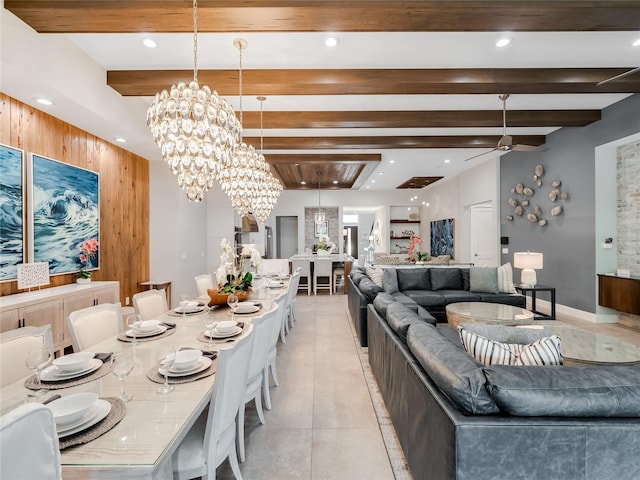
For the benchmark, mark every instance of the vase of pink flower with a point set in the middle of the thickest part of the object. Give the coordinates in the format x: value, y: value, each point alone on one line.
x: 88, y: 250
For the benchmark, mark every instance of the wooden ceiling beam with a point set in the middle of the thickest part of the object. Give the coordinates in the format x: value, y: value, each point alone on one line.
x: 321, y: 158
x: 271, y: 82
x: 130, y: 16
x: 388, y: 142
x: 420, y: 119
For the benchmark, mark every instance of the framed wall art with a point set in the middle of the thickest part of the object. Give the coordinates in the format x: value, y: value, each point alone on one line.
x: 64, y: 212
x: 12, y: 211
x: 321, y: 229
x: 442, y: 236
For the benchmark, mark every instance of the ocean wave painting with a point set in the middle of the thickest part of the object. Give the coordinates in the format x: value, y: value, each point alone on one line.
x: 11, y: 212
x: 442, y: 236
x: 66, y: 212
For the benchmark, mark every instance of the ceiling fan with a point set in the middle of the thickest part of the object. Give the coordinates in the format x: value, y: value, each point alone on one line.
x: 505, y: 144
x: 620, y: 75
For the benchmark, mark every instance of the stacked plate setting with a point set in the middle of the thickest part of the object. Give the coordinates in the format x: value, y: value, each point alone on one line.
x: 71, y: 366
x: 147, y: 328
x: 228, y: 328
x: 77, y: 412
x: 191, y: 307
x: 186, y: 362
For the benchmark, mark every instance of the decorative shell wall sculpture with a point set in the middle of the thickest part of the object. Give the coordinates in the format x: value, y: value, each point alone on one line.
x: 509, y: 218
x: 532, y: 218
x: 539, y: 182
x: 539, y: 170
x: 538, y: 210
x: 557, y: 210
x: 518, y: 210
x: 553, y: 195
x: 524, y: 203
x: 513, y: 190
x: 564, y: 195
x: 528, y: 191
x: 513, y: 202
x: 520, y: 188
x: 542, y: 222
x: 556, y: 183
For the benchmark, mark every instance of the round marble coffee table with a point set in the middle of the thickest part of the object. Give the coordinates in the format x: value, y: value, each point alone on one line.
x: 487, y: 313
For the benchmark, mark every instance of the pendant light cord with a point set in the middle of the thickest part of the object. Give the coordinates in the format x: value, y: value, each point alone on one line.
x: 195, y: 41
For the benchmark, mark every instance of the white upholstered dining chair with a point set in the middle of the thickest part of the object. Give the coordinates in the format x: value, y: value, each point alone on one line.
x: 150, y: 304
x: 14, y: 345
x: 29, y: 444
x: 305, y: 273
x: 92, y: 325
x: 289, y: 316
x: 262, y: 328
x: 212, y: 439
x: 281, y: 301
x: 204, y: 283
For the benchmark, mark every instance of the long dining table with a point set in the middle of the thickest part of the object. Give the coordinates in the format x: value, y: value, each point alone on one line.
x: 141, y: 445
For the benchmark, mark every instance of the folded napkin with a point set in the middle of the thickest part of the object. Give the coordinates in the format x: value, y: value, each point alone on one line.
x: 51, y: 399
x: 259, y: 305
x: 169, y: 324
x: 104, y: 357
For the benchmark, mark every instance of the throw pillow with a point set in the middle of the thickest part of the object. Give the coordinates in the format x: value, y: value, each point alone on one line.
x: 505, y: 279
x: 483, y: 279
x: 545, y: 351
x: 376, y: 275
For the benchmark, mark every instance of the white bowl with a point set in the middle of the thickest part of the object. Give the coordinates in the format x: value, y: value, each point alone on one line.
x: 226, y: 326
x: 147, y: 326
x: 186, y: 359
x: 275, y: 284
x: 245, y: 308
x: 74, y: 362
x: 72, y: 408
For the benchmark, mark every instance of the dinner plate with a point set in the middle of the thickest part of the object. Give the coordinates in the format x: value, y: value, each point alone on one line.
x: 54, y: 374
x: 283, y: 277
x: 205, y: 363
x: 98, y: 412
x: 214, y: 334
x: 280, y: 285
x: 161, y: 329
x: 246, y: 309
x: 196, y: 309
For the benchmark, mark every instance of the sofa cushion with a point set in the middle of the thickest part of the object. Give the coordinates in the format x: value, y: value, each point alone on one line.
x: 453, y: 296
x: 483, y: 279
x: 456, y: 374
x: 356, y: 275
x: 466, y: 280
x: 514, y: 299
x: 502, y: 333
x: 426, y: 298
x: 369, y: 288
x: 402, y: 298
x: 375, y: 274
x: 584, y: 391
x: 446, y: 279
x: 382, y: 302
x: 505, y: 279
x: 413, y: 279
x: 543, y: 351
x: 400, y: 318
x: 390, y: 280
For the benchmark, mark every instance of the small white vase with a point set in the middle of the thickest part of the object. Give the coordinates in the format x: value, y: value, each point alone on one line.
x: 323, y: 253
x: 83, y: 281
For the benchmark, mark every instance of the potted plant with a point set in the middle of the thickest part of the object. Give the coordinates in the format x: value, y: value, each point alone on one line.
x: 325, y: 246
x: 88, y: 251
x: 414, y: 240
x: 231, y: 276
x: 421, y: 258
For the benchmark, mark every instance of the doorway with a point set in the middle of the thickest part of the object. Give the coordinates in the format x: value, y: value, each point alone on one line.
x: 351, y: 240
x: 483, y: 235
x: 286, y: 236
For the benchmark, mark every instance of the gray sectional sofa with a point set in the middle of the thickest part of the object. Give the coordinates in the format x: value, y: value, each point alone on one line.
x: 431, y: 288
x: 456, y: 419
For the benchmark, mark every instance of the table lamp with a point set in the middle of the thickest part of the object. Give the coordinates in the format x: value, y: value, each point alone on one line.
x: 529, y: 262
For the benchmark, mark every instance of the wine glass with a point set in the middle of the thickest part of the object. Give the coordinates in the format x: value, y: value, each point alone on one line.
x: 208, y: 325
x: 37, y: 359
x: 121, y: 366
x: 184, y: 302
x: 232, y: 301
x: 133, y: 322
x: 166, y: 357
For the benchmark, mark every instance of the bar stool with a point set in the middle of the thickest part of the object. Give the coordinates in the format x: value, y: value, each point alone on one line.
x: 323, y: 269
x: 338, y: 278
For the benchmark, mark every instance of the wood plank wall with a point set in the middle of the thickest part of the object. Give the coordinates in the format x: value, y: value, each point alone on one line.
x: 124, y: 190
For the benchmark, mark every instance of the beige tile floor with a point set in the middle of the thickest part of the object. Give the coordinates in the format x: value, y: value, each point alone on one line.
x: 322, y: 425
x: 325, y: 423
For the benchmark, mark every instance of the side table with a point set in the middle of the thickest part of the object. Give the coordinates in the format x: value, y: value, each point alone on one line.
x: 159, y: 285
x: 533, y: 290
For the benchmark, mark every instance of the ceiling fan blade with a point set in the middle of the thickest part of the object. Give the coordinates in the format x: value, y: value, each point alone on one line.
x: 481, y: 154
x: 524, y: 148
x: 620, y: 75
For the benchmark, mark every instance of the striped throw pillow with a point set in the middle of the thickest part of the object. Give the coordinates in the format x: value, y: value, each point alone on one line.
x: 545, y: 351
x: 376, y: 275
x: 505, y: 279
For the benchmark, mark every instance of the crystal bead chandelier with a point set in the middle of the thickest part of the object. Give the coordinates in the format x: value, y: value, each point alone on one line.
x: 319, y: 217
x: 194, y: 128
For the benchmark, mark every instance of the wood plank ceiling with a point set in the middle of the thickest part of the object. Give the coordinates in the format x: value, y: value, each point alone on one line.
x: 344, y: 169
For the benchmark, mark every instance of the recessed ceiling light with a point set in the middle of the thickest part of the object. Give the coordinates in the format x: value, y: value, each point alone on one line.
x: 503, y: 42
x: 331, y: 42
x: 392, y: 161
x: 149, y: 42
x: 303, y: 183
x: 120, y: 140
x: 335, y: 182
x: 373, y: 181
x: 636, y: 43
x: 43, y: 101
x: 446, y: 160
x: 368, y: 186
x: 380, y: 173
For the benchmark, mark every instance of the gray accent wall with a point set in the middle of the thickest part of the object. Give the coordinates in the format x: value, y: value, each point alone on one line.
x: 568, y: 240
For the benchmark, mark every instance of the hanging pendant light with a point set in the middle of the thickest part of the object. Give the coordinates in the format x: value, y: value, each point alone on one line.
x: 319, y: 216
x: 194, y: 128
x: 271, y: 188
x: 241, y: 175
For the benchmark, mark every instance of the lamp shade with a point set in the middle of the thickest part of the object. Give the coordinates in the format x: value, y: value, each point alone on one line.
x: 529, y: 260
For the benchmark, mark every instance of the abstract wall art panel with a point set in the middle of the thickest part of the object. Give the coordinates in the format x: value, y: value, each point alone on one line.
x: 442, y: 236
x: 11, y: 211
x: 64, y: 211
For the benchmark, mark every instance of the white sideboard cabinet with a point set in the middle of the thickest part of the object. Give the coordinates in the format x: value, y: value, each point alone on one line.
x: 53, y: 306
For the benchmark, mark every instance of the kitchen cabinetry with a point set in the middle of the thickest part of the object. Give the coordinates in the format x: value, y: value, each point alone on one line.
x: 619, y: 293
x: 52, y: 306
